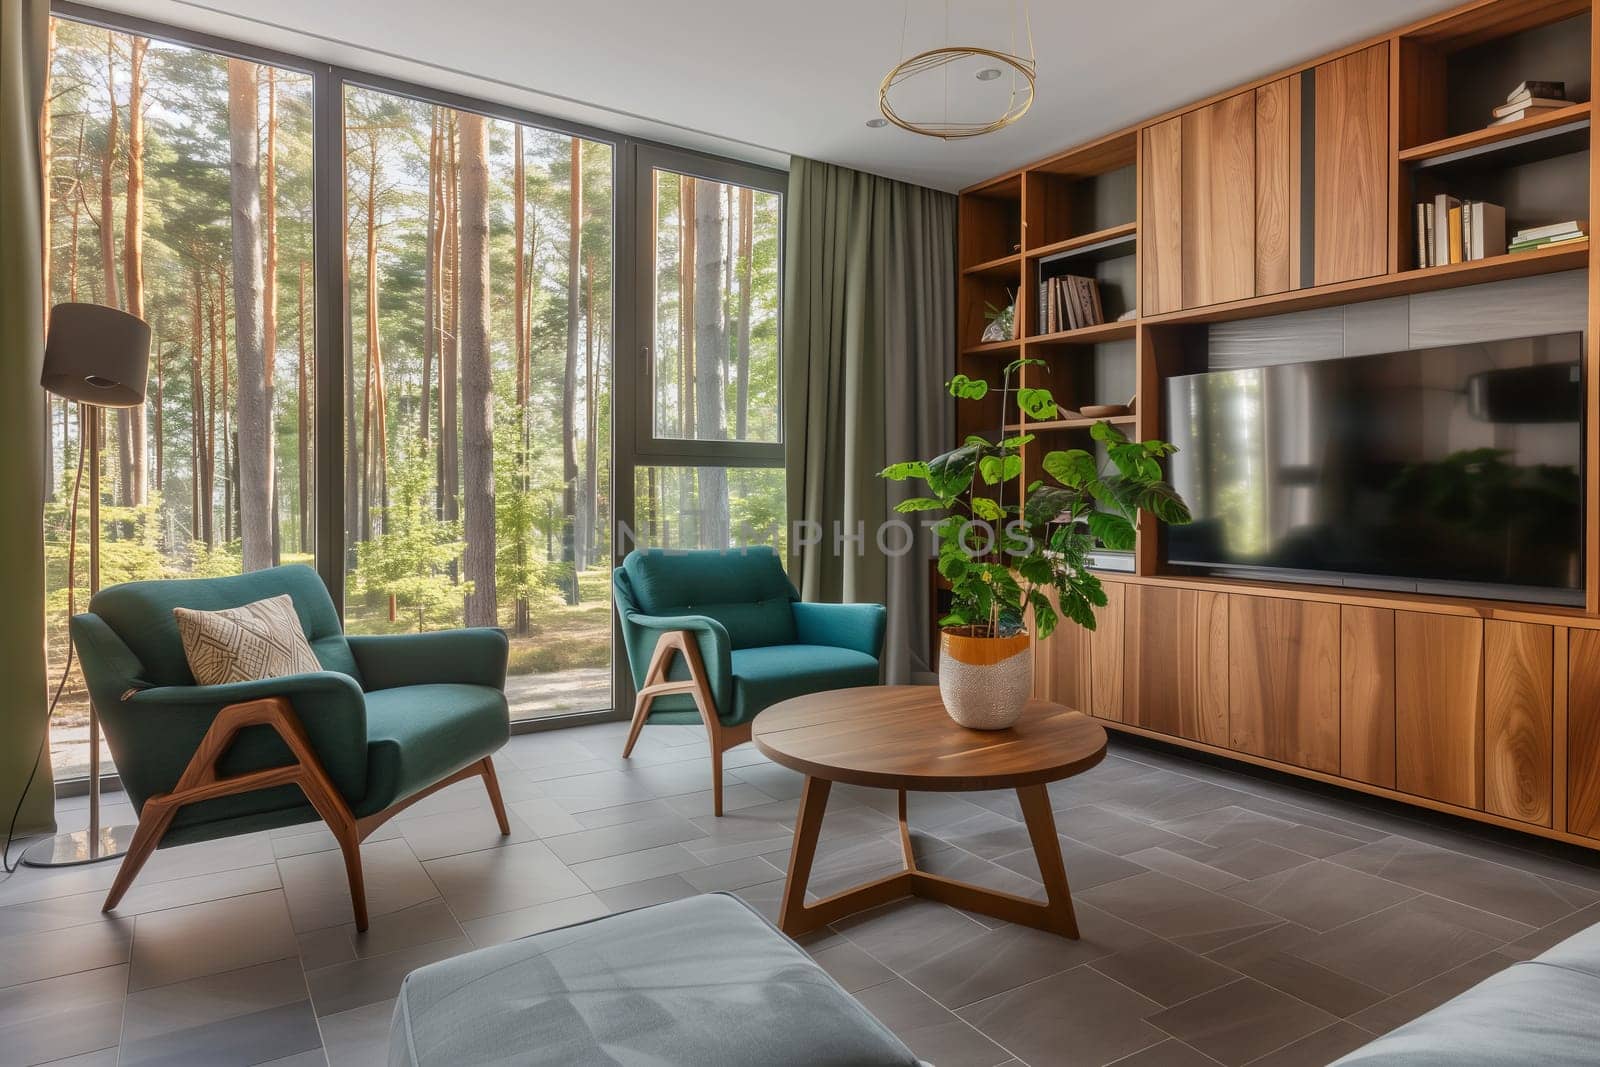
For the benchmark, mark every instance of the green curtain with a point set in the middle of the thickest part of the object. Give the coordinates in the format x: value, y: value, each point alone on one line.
x: 868, y: 343
x: 23, y: 24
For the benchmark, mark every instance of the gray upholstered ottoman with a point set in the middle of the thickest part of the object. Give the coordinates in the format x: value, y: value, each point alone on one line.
x: 706, y: 982
x: 1540, y: 1011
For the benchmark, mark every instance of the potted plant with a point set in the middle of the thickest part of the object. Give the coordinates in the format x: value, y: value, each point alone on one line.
x: 1004, y: 551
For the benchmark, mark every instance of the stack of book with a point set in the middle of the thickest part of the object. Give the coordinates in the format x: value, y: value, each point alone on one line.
x: 1557, y: 233
x: 1454, y: 231
x: 1529, y: 99
x: 1069, y: 302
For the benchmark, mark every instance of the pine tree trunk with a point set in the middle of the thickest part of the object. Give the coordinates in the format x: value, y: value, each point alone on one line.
x: 198, y: 478
x: 47, y: 178
x: 450, y: 363
x: 253, y: 448
x: 136, y: 460
x: 303, y: 422
x: 569, y: 380
x: 519, y: 212
x: 686, y: 339
x: 477, y: 400
x: 746, y: 270
x: 590, y: 501
x: 710, y: 355
x: 430, y: 285
x: 269, y: 299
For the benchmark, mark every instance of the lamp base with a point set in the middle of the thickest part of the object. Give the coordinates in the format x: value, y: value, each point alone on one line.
x: 70, y: 850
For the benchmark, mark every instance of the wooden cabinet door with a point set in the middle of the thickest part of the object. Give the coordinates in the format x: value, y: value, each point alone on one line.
x: 1083, y: 669
x: 1278, y: 186
x: 1283, y: 680
x: 1438, y: 707
x: 1161, y: 217
x: 1366, y: 695
x: 1583, y: 732
x: 1219, y: 202
x: 1351, y: 178
x: 1519, y: 699
x: 1176, y: 662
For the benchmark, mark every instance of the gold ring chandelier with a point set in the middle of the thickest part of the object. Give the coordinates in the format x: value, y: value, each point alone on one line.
x: 1020, y: 99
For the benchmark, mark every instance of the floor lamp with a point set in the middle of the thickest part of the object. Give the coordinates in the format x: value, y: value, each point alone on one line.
x: 98, y: 356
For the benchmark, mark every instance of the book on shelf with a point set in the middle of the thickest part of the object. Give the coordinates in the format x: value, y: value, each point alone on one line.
x: 1450, y: 230
x: 1551, y: 90
x: 1532, y: 103
x: 1069, y: 302
x: 1523, y: 113
x: 1554, y: 229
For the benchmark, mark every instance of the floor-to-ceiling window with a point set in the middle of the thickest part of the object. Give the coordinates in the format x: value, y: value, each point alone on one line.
x: 710, y: 474
x: 428, y: 287
x: 179, y: 190
x: 477, y: 395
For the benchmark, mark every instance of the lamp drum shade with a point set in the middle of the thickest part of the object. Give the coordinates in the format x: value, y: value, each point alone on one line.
x: 96, y: 355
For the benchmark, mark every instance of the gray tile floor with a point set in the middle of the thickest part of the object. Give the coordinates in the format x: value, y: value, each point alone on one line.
x: 1226, y: 918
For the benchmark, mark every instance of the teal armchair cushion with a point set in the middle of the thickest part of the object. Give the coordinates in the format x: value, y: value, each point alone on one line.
x: 744, y: 589
x: 141, y: 614
x: 387, y: 716
x: 472, y: 656
x: 759, y: 642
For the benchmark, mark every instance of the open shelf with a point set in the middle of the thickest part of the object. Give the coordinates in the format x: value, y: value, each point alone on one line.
x: 993, y: 348
x: 1008, y: 267
x: 1089, y: 335
x: 1070, y: 424
x: 1541, y: 137
x: 1090, y: 247
x: 1498, y: 268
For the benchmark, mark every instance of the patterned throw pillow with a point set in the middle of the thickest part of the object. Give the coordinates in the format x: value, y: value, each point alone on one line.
x: 260, y: 640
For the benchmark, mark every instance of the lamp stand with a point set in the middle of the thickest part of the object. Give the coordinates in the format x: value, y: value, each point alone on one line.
x: 97, y: 842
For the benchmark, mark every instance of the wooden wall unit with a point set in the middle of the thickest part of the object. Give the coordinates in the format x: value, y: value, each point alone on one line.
x: 1438, y: 707
x: 1295, y: 192
x: 1352, y: 166
x: 1366, y: 694
x: 1519, y: 700
x: 1283, y: 680
x: 1219, y: 201
x: 1583, y: 733
x: 1175, y: 660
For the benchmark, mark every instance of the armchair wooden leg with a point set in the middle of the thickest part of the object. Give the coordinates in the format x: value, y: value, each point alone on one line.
x: 698, y: 687
x: 491, y: 784
x: 153, y: 823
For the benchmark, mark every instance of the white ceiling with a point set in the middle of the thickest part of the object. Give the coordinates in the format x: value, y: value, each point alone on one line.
x: 763, y: 79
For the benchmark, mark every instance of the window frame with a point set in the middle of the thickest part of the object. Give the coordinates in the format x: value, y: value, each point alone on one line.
x: 680, y: 451
x: 632, y: 443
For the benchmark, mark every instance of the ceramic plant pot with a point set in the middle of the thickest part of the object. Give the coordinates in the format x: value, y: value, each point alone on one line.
x: 985, y: 681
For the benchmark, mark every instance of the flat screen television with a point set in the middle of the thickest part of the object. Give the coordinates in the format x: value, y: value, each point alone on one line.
x: 1455, y: 470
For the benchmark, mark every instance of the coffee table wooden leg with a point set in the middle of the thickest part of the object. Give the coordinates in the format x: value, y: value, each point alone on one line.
x: 1035, y: 801
x: 807, y: 826
x: 905, y: 835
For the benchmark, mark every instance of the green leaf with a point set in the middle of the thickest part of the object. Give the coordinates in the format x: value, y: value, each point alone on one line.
x: 1046, y: 504
x: 997, y: 469
x: 1163, y: 501
x: 918, y: 503
x: 963, y: 388
x: 899, y: 472
x: 1114, y: 531
x: 1044, y: 615
x: 984, y: 508
x: 1018, y: 441
x: 1073, y: 468
x: 950, y: 475
x: 1106, y: 433
x: 1036, y: 403
x: 1027, y: 361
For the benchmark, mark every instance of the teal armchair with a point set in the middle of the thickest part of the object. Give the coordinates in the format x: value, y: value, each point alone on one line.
x: 716, y: 636
x: 387, y: 721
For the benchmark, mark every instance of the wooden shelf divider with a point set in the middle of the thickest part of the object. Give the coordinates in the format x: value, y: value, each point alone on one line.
x: 1125, y: 233
x: 1494, y: 139
x: 1088, y: 335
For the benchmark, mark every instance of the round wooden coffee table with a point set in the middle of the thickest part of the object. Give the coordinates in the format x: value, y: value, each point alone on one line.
x: 899, y: 737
